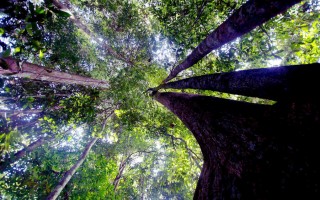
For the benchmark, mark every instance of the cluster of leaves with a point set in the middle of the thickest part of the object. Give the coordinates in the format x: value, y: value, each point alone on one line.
x: 25, y: 24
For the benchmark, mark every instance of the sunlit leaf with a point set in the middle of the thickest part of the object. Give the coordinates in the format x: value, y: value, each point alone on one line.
x: 1, y: 31
x: 41, y: 54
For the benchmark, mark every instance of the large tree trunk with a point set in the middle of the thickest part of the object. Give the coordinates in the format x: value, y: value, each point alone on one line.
x: 277, y: 83
x: 252, y: 151
x: 68, y: 175
x: 250, y: 15
x: 91, y: 34
x: 10, y: 66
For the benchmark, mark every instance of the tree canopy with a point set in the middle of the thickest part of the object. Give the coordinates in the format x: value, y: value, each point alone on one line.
x: 74, y: 76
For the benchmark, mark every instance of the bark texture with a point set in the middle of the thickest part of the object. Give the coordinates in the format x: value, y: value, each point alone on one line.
x: 10, y: 66
x: 68, y: 175
x: 252, y: 14
x: 252, y: 151
x: 277, y: 83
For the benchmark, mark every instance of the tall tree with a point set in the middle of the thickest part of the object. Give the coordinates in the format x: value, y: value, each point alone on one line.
x: 13, y: 67
x: 68, y: 175
x: 250, y: 151
x: 250, y: 15
x: 254, y: 151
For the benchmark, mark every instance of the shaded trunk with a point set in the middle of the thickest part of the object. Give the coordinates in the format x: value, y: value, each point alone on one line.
x: 22, y: 153
x: 246, y: 18
x: 28, y: 149
x: 68, y: 175
x: 252, y: 151
x: 9, y: 113
x: 18, y: 113
x: 10, y: 66
x: 12, y: 98
x: 91, y: 34
x: 275, y: 83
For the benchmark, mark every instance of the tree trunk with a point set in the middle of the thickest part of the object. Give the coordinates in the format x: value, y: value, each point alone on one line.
x: 28, y: 149
x: 10, y: 66
x: 275, y: 83
x: 122, y: 166
x: 9, y: 113
x: 116, y: 181
x: 246, y: 18
x: 22, y: 153
x: 68, y: 175
x: 91, y: 34
x: 252, y: 151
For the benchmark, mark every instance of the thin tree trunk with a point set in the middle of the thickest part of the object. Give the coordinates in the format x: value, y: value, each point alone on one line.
x: 5, y: 98
x: 252, y: 151
x: 68, y: 175
x: 19, y: 112
x: 122, y: 166
x: 93, y: 35
x: 28, y: 149
x: 10, y: 66
x: 22, y: 153
x: 246, y: 18
x: 275, y: 83
x: 119, y: 175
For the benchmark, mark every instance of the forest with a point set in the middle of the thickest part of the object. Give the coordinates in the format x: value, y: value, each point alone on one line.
x: 159, y: 99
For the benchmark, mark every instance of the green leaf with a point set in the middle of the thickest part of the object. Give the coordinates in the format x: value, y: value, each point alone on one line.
x: 63, y: 14
x: 40, y: 10
x: 36, y: 44
x: 6, y: 53
x: 41, y: 54
x: 29, y: 29
x: 17, y: 50
x: 1, y: 31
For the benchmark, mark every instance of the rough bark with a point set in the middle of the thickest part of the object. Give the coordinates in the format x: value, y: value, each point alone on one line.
x: 68, y: 175
x: 91, y: 34
x: 252, y: 151
x: 275, y: 83
x: 10, y: 66
x: 246, y: 18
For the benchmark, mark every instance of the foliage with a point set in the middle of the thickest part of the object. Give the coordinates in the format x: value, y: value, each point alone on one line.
x: 161, y: 158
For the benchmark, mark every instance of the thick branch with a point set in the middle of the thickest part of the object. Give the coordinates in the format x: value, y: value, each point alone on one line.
x: 250, y: 15
x: 275, y: 83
